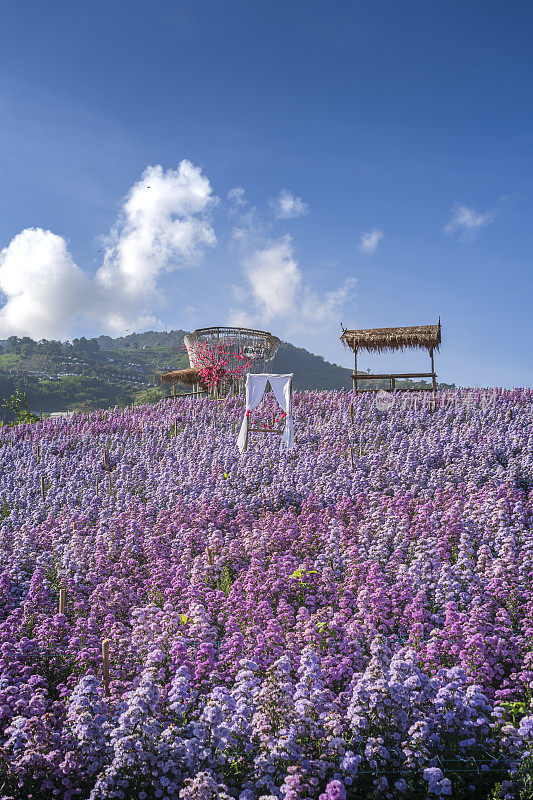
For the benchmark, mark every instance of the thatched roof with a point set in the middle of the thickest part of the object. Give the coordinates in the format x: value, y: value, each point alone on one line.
x: 188, y: 377
x: 379, y: 339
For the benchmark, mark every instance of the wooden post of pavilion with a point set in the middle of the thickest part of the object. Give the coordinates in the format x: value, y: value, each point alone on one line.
x: 434, y: 384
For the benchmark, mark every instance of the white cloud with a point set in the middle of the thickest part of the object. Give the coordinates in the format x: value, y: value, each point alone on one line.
x: 274, y: 278
x: 45, y: 291
x: 163, y: 226
x: 276, y: 291
x: 324, y: 309
x: 467, y: 221
x: 369, y: 240
x: 236, y: 195
x: 286, y: 205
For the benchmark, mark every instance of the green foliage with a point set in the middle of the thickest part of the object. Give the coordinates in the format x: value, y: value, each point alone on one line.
x: 146, y: 396
x: 525, y: 779
x: 301, y: 573
x: 18, y: 409
x: 10, y: 360
x: 226, y: 580
x: 157, y: 597
x: 515, y: 711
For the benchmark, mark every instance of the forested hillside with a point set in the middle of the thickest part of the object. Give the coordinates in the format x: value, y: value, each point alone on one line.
x: 103, y: 372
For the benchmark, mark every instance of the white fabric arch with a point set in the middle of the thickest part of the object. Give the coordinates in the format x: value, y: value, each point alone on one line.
x: 255, y: 389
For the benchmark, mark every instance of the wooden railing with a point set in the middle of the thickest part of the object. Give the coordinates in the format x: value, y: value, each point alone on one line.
x: 392, y: 377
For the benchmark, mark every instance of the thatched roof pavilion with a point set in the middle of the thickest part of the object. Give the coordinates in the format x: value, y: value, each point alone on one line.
x: 187, y: 377
x: 381, y: 340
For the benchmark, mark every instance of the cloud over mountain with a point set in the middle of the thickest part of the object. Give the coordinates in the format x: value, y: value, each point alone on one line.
x: 163, y: 226
x: 45, y: 291
x: 275, y: 290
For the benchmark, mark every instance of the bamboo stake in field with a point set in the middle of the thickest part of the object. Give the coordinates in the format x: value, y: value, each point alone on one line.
x: 105, y: 665
x: 351, y: 455
x: 210, y: 556
x: 351, y: 412
x: 62, y: 600
x: 176, y: 427
x: 43, y: 488
x: 38, y: 452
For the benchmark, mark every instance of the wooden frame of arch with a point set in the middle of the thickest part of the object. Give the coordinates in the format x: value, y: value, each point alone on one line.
x: 250, y: 429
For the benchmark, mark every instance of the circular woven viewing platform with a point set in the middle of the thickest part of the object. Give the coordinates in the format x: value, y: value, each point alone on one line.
x: 259, y: 347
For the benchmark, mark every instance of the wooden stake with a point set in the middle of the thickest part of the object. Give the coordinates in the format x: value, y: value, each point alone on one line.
x: 106, y: 461
x: 351, y: 412
x: 62, y: 596
x: 210, y: 556
x: 434, y: 385
x: 38, y: 452
x: 351, y: 456
x: 175, y: 427
x: 43, y: 488
x: 105, y: 665
x: 246, y: 435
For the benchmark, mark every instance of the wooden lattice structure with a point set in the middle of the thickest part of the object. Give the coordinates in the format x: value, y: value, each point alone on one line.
x: 426, y: 337
x: 257, y: 347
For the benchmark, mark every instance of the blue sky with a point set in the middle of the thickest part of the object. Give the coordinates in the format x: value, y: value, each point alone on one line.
x: 312, y: 163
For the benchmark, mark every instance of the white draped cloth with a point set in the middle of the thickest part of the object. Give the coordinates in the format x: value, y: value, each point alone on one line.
x: 255, y: 389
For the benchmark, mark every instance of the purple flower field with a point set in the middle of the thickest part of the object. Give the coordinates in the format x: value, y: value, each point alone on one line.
x: 280, y: 625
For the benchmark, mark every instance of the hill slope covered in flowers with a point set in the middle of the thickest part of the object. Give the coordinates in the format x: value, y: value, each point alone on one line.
x: 280, y: 625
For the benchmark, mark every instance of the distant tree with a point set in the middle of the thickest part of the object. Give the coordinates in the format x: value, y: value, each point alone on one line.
x: 19, y: 408
x: 84, y: 345
x: 27, y: 346
x: 13, y: 345
x: 54, y: 348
